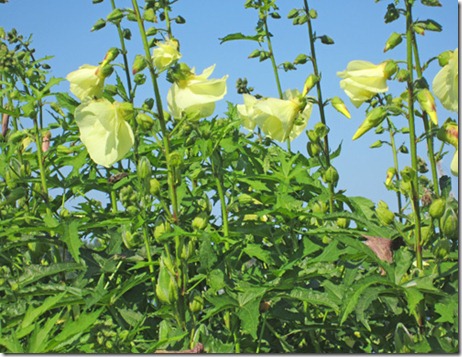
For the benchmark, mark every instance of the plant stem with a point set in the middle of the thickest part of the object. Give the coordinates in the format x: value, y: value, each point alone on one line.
x: 160, y: 113
x: 427, y: 125
x: 412, y: 137
x: 395, y: 164
x: 320, y: 102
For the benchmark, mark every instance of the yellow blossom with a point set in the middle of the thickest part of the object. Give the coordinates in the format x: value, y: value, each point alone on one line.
x: 446, y: 83
x: 362, y: 80
x: 104, y: 129
x: 87, y: 81
x: 165, y: 54
x: 195, y: 95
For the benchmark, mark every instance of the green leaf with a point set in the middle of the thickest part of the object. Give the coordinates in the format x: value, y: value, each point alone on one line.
x: 256, y: 251
x: 32, y: 314
x: 414, y: 296
x: 33, y: 273
x: 72, y: 240
x: 356, y: 291
x: 240, y: 36
x: 132, y: 317
x: 313, y: 297
x: 40, y: 337
x: 448, y: 309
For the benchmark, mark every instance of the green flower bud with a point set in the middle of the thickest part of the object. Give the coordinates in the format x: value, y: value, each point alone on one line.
x: 340, y: 106
x: 427, y: 103
x: 426, y: 234
x: 343, y: 222
x: 148, y: 104
x: 402, y: 75
x: 160, y: 230
x: 326, y: 40
x: 442, y: 248
x: 331, y: 175
x: 150, y: 15
x: 394, y: 40
x: 391, y: 172
x: 314, y: 149
x: 130, y: 240
x: 373, y: 119
x: 145, y: 121
x: 144, y: 170
x: 384, y: 214
x: 301, y: 59
x: 321, y: 130
x: 444, y: 57
x: 449, y: 133
x: 98, y: 25
x: 310, y: 82
x: 111, y: 55
x: 313, y: 14
x: 139, y: 64
x: 196, y: 302
x: 166, y: 288
x: 175, y: 159
x: 292, y: 14
x: 139, y: 79
x: 376, y: 144
x: 115, y: 16
x: 390, y: 68
x: 450, y: 226
x: 200, y: 222
x: 319, y: 207
x: 154, y: 187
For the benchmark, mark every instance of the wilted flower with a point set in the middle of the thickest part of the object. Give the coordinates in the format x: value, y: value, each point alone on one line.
x: 362, y: 80
x: 446, y: 83
x: 104, y: 129
x: 87, y: 81
x: 195, y: 95
x: 427, y: 103
x: 165, y: 54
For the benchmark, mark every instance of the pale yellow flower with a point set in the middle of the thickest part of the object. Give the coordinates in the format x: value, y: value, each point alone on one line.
x: 283, y: 119
x: 247, y: 111
x: 455, y: 163
x: 87, y: 81
x: 362, y: 80
x: 195, y: 96
x: 446, y: 83
x: 104, y: 129
x: 165, y: 54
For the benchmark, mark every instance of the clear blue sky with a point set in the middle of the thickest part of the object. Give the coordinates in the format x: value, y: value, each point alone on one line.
x: 61, y: 28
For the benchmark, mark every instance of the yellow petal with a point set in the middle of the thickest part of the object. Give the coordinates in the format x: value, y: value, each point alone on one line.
x: 85, y: 82
x: 446, y: 83
x: 106, y: 135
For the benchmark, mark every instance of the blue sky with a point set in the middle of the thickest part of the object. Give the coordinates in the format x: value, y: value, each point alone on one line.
x: 62, y: 29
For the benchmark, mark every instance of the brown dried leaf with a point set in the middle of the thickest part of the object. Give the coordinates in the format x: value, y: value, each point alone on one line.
x: 382, y: 247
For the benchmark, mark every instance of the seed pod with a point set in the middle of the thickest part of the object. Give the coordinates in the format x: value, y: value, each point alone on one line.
x: 450, y: 226
x: 384, y: 214
x: 437, y: 208
x: 200, y: 222
x: 196, y: 301
x: 154, y: 187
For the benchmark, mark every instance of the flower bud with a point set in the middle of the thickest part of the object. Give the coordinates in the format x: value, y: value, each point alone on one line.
x: 175, y: 159
x: 98, y: 25
x: 105, y: 71
x: 200, y: 222
x: 449, y: 133
x: 444, y: 57
x: 313, y: 14
x: 310, y: 83
x: 427, y: 103
x: 390, y: 69
x: 124, y: 110
x: 331, y: 175
x: 391, y: 172
x: 115, y: 16
x: 437, y: 208
x: 144, y: 120
x: 111, y: 55
x: 166, y: 287
x: 373, y: 119
x: 196, y: 302
x: 326, y: 40
x: 343, y: 222
x: 150, y: 15
x: 340, y: 106
x: 384, y: 214
x: 442, y: 248
x: 450, y: 226
x: 319, y: 207
x: 394, y: 40
x: 148, y: 104
x: 139, y: 64
x: 160, y: 230
x: 154, y: 187
x: 144, y: 168
x: 402, y: 75
x: 313, y: 149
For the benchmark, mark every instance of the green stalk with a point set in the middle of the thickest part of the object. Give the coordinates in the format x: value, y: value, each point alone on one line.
x: 412, y: 137
x: 427, y: 125
x: 160, y: 112
x: 124, y: 55
x: 395, y: 163
x: 320, y: 102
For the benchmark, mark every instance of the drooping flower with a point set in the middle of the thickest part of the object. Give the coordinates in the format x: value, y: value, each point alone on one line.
x: 104, y: 129
x: 446, y: 83
x: 362, y: 80
x: 165, y: 54
x: 195, y: 95
x: 280, y: 119
x: 449, y: 133
x: 87, y: 81
x: 247, y: 111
